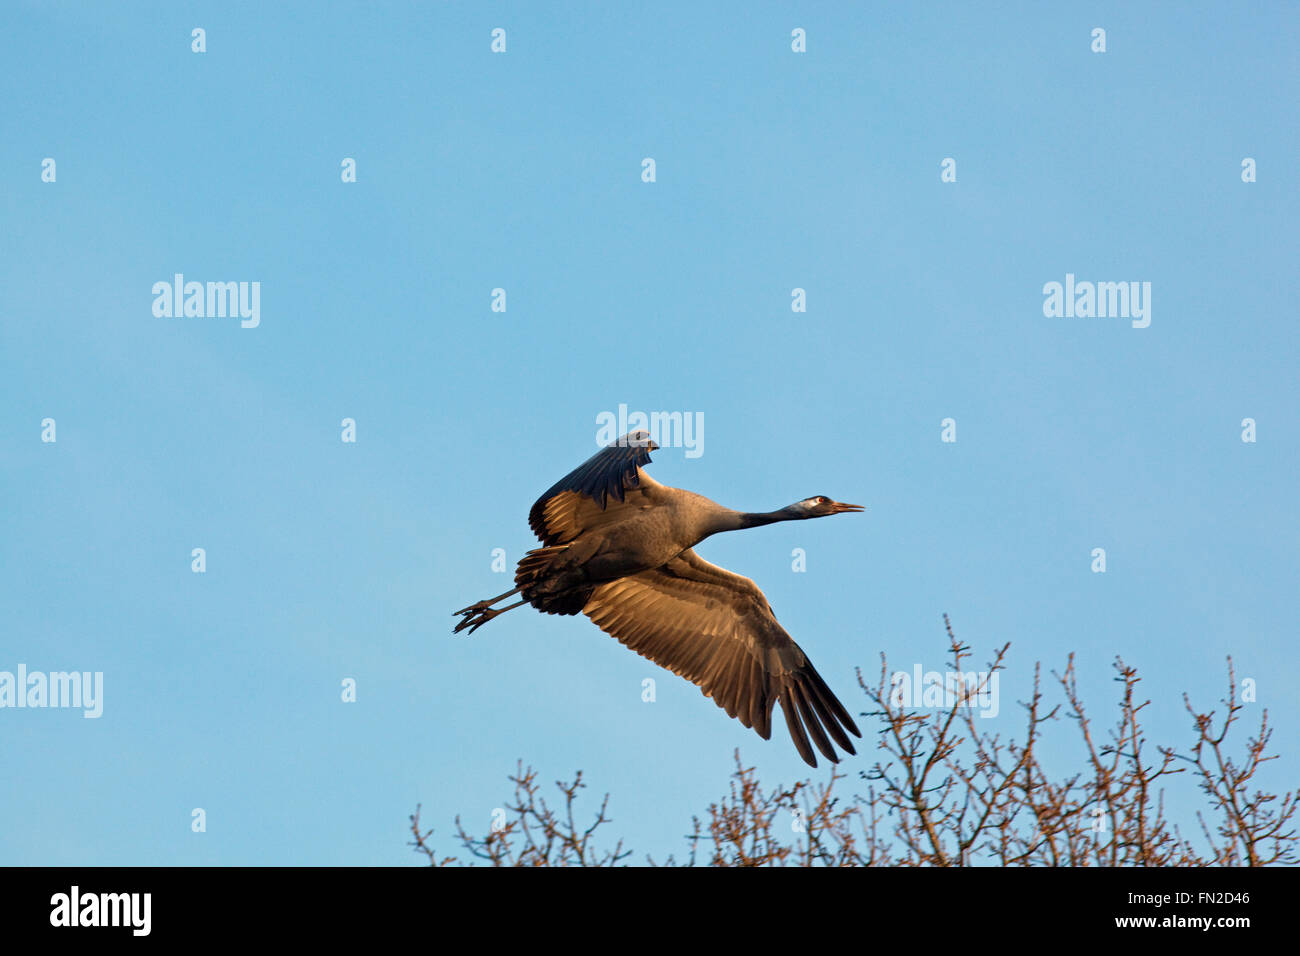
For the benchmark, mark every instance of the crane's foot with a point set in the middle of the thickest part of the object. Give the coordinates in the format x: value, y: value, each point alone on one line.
x: 474, y: 619
x: 475, y: 616
x: 483, y: 605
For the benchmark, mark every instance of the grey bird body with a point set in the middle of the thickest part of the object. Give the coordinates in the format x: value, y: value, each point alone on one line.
x: 618, y: 547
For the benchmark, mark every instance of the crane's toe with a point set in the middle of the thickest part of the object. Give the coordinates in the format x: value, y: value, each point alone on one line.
x: 474, y: 619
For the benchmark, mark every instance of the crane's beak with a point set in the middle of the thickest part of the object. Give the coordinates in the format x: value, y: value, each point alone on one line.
x: 841, y: 508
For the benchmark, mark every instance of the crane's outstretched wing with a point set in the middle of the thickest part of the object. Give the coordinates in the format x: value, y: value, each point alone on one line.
x: 578, y: 500
x: 716, y: 629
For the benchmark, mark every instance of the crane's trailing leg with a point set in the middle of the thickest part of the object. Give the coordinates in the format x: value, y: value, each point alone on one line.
x: 476, y: 618
x: 487, y: 602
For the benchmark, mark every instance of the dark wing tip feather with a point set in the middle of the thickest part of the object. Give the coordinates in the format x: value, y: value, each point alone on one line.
x: 811, y: 709
x: 797, y: 733
x: 813, y: 723
x: 833, y: 713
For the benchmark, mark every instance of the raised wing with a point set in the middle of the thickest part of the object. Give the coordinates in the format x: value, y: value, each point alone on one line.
x: 716, y: 629
x: 579, y: 499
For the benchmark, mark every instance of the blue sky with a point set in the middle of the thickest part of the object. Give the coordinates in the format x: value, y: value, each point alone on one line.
x: 774, y: 171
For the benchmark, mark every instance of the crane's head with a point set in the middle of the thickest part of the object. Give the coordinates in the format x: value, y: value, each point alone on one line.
x: 819, y: 506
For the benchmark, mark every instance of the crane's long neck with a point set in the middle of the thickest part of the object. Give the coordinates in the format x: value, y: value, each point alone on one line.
x: 739, y: 520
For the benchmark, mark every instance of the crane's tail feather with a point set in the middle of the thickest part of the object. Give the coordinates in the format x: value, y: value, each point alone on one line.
x: 551, y: 583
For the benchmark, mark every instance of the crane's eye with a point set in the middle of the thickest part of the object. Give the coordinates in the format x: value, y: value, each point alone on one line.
x: 822, y: 499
